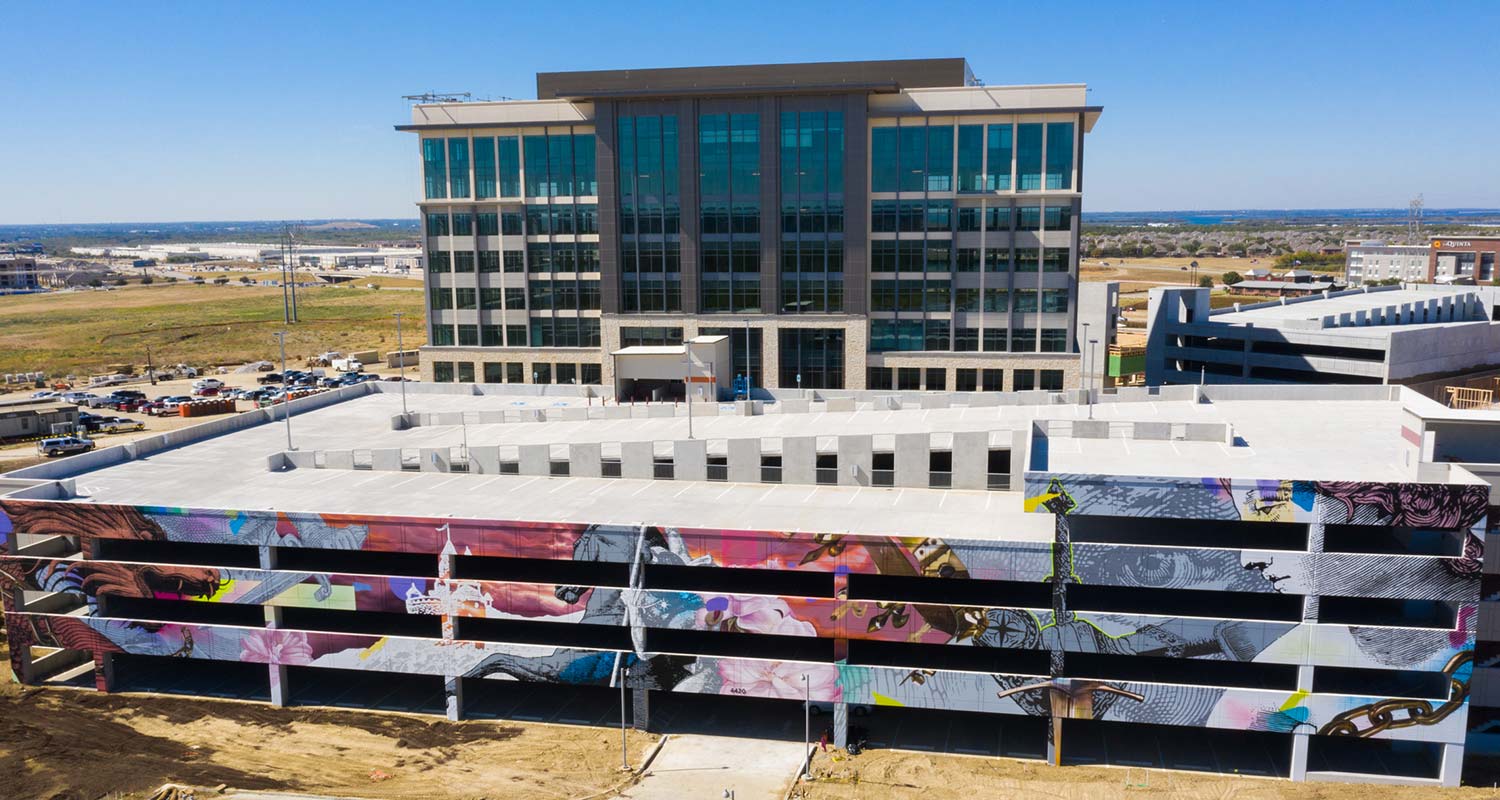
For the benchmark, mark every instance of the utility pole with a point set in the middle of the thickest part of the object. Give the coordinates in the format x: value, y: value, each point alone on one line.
x: 401, y: 355
x: 748, y: 382
x: 286, y: 302
x: 624, y: 749
x: 150, y: 373
x: 1093, y: 360
x: 687, y: 383
x: 286, y: 400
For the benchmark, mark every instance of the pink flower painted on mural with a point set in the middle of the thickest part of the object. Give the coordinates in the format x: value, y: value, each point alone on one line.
x: 780, y: 679
x: 276, y: 647
x: 752, y: 614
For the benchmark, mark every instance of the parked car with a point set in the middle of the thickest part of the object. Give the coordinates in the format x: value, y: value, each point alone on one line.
x: 44, y: 394
x: 398, y: 379
x: 64, y: 446
x: 89, y: 422
x: 78, y: 398
x: 269, y: 378
x: 118, y: 425
x: 124, y: 400
x: 207, y: 383
x: 207, y: 391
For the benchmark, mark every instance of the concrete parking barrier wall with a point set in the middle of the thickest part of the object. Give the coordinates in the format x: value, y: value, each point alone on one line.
x: 744, y: 460
x: 637, y: 460
x: 913, y: 459
x: 584, y: 459
x: 690, y: 460
x: 971, y: 459
x: 535, y: 459
x: 856, y: 459
x: 799, y: 459
x: 485, y: 459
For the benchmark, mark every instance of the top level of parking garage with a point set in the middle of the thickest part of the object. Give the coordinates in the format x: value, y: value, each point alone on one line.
x: 1277, y: 433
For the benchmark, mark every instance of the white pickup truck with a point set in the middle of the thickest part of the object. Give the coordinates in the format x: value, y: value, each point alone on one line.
x: 347, y: 364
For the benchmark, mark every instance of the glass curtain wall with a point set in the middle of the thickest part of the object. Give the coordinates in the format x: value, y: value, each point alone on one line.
x: 729, y: 212
x: 815, y: 355
x: 650, y: 203
x: 812, y: 212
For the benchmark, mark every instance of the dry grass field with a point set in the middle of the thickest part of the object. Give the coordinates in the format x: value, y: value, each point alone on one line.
x: 81, y: 331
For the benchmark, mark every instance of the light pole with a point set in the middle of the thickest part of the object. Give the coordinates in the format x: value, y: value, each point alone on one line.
x: 748, y: 384
x: 401, y: 355
x: 1094, y: 360
x: 806, y: 728
x: 286, y: 399
x: 1083, y: 356
x: 687, y: 384
x: 624, y: 751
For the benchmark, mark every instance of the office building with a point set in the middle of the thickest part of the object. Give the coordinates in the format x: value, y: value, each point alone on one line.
x: 1423, y: 335
x: 1267, y: 580
x: 1371, y: 261
x: 18, y: 275
x: 849, y: 225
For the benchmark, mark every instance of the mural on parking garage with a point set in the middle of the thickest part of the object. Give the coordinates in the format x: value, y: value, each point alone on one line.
x: 837, y: 616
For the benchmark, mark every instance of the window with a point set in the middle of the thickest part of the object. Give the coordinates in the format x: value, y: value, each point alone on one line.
x: 491, y: 298
x: 484, y: 169
x: 487, y: 223
x: 966, y: 340
x: 966, y: 299
x: 940, y: 216
x: 970, y: 158
x: 994, y: 380
x: 937, y: 335
x: 585, y: 179
x: 1026, y: 259
x: 491, y: 336
x: 514, y: 260
x: 996, y: 300
x: 937, y: 296
x: 589, y: 374
x: 968, y: 218
x: 510, y: 223
x: 815, y: 355
x: 1055, y: 259
x: 439, y: 261
x: 437, y: 223
x: 1054, y: 340
x: 997, y: 174
x: 588, y: 219
x: 883, y: 214
x: 458, y: 167
x: 1029, y: 156
x: 463, y: 261
x: 509, y: 151
x: 494, y: 372
x: 434, y: 169
x: 541, y: 373
x: 465, y: 299
x: 1028, y: 218
x: 1026, y: 300
x: 1023, y: 340
x: 908, y: 379
x: 515, y: 336
x: 994, y: 340
x: 1058, y: 216
x: 938, y: 257
x: 912, y: 145
x: 1024, y: 380
x: 489, y: 261
x: 997, y: 218
x: 442, y: 371
x: 649, y: 211
x: 883, y: 295
x: 439, y: 298
x: 966, y: 380
x: 883, y: 163
x: 468, y: 336
x: 442, y: 335
x: 883, y: 256
x: 1054, y: 300
x: 937, y: 379
x: 879, y: 378
x: 997, y: 259
x: 1059, y: 155
x: 567, y: 373
x: 514, y: 372
x: 535, y: 149
x: 940, y: 158
x: 966, y: 259
x: 1051, y: 380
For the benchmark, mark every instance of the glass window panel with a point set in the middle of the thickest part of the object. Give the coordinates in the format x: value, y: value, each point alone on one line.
x: 1000, y: 151
x: 484, y: 167
x: 883, y: 162
x: 509, y: 156
x: 913, y: 147
x: 1029, y: 156
x: 434, y: 168
x: 536, y: 166
x: 585, y: 173
x: 559, y: 165
x: 1059, y: 155
x: 970, y: 158
x: 940, y: 158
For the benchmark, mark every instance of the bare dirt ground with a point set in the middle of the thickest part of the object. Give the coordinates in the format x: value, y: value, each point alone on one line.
x: 70, y: 744
x: 893, y: 775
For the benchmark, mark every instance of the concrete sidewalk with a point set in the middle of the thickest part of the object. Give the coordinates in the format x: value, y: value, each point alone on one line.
x: 692, y: 767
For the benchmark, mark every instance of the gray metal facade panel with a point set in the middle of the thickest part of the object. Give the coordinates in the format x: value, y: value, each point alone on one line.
x: 856, y: 205
x: 905, y: 73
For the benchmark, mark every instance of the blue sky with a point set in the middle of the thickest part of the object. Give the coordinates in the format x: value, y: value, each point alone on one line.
x: 194, y: 111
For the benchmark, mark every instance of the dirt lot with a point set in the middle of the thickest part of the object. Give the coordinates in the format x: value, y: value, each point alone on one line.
x: 67, y: 744
x: 889, y: 775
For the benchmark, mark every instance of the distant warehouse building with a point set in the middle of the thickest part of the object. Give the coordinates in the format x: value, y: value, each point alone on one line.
x: 1370, y: 335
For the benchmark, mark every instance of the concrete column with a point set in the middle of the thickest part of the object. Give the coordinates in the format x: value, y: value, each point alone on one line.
x: 1299, y: 757
x: 386, y: 459
x: 690, y: 460
x: 744, y: 460
x: 971, y: 459
x: 453, y: 697
x: 640, y: 702
x: 433, y: 459
x: 583, y: 460
x: 1453, y: 764
x: 104, y: 672
x: 1020, y: 450
x: 535, y: 459
x: 799, y: 460
x: 856, y: 456
x: 637, y: 459
x: 913, y: 459
x: 267, y: 555
x: 280, y: 691
x: 485, y: 459
x: 841, y: 725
